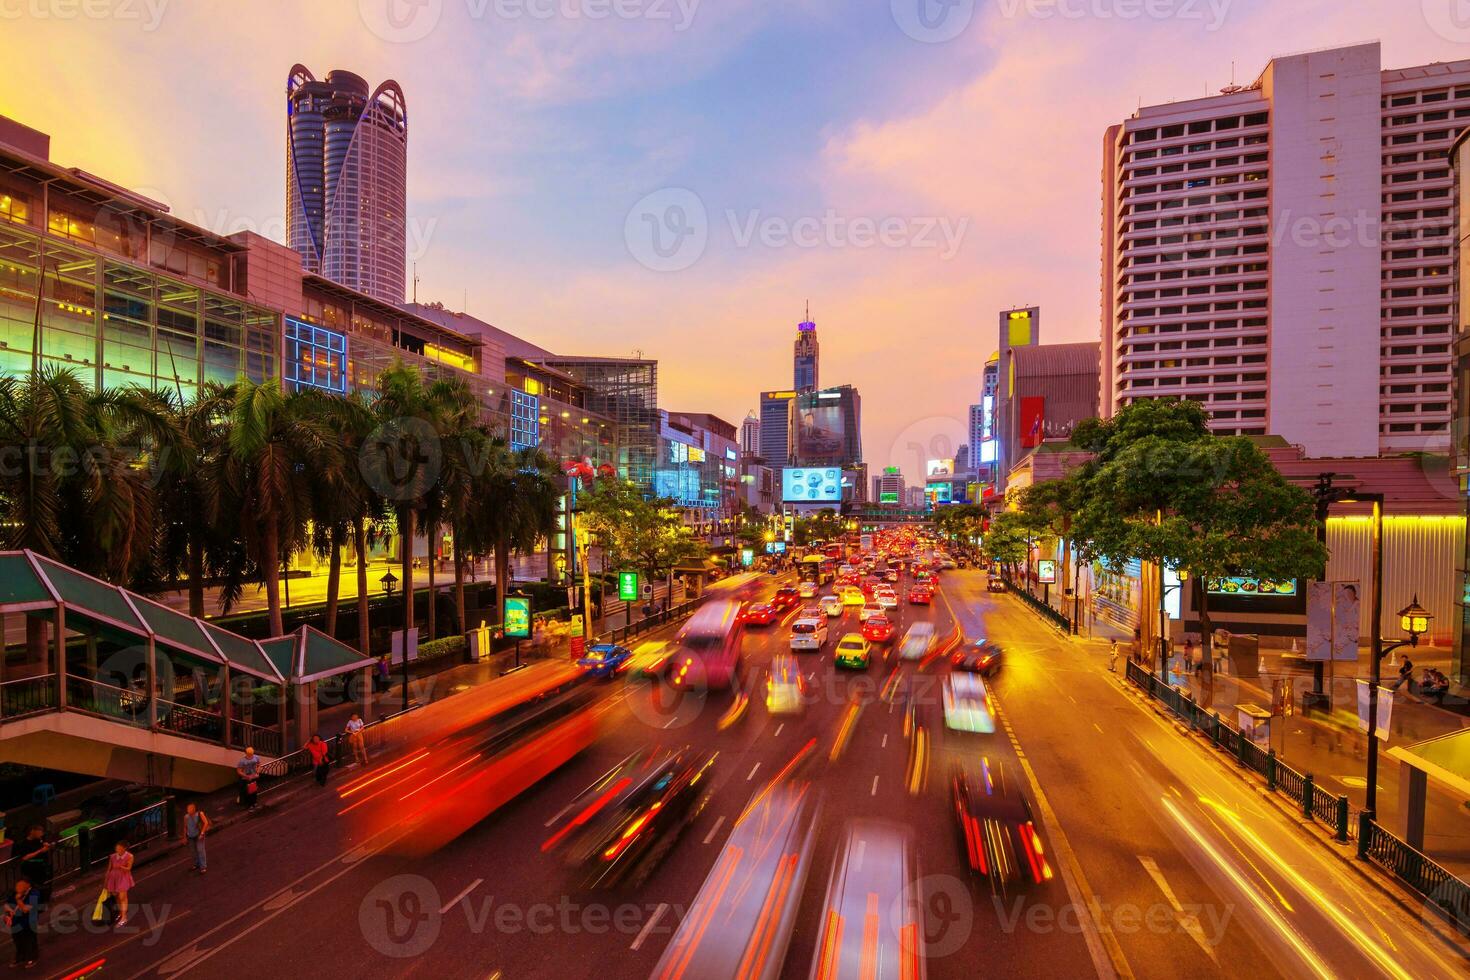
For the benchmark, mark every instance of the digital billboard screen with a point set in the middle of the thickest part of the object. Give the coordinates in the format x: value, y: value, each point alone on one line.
x: 811, y: 484
x: 888, y: 497
x: 820, y: 430
x: 939, y: 493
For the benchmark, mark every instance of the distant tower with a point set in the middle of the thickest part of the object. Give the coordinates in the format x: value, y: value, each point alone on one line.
x: 805, y: 374
x: 347, y: 180
x: 750, y: 435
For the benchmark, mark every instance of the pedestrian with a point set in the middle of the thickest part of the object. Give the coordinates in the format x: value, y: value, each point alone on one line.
x: 196, y: 825
x: 356, y: 739
x: 320, y: 758
x: 20, y: 921
x: 119, y: 880
x: 34, y: 854
x: 1406, y: 675
x: 383, y: 672
x: 248, y: 769
x: 1113, y: 656
x: 1190, y: 661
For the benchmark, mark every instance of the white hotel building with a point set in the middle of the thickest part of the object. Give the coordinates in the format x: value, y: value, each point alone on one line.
x: 1281, y: 251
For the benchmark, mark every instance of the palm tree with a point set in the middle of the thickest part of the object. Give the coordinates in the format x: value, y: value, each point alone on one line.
x: 343, y: 503
x: 77, y: 486
x: 275, y: 443
x: 453, y: 412
x: 517, y: 508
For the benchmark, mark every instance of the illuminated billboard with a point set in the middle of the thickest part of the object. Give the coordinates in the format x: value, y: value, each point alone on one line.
x: 820, y: 431
x: 938, y: 493
x: 989, y: 451
x: 939, y: 467
x: 811, y: 484
x: 1236, y: 585
x: 888, y: 497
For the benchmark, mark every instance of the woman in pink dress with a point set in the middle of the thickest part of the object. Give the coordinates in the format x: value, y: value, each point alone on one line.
x: 119, y: 878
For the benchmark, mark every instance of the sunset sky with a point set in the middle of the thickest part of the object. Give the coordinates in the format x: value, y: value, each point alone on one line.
x: 538, y: 132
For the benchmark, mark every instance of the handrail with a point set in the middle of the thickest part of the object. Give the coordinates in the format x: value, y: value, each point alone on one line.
x: 27, y: 695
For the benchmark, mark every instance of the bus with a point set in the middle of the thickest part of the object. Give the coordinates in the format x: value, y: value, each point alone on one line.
x: 708, y: 647
x: 740, y: 923
x: 817, y: 569
x: 470, y: 756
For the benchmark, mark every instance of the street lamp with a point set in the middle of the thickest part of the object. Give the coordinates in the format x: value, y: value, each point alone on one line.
x: 388, y: 581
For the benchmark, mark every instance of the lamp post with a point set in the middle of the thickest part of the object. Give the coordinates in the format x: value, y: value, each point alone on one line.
x: 1413, y: 618
x: 388, y: 581
x: 1164, y: 590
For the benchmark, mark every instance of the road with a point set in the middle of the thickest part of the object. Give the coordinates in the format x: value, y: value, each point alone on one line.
x: 1185, y: 869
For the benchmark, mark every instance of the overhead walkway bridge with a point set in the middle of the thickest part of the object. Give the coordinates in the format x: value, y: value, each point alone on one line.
x: 99, y: 680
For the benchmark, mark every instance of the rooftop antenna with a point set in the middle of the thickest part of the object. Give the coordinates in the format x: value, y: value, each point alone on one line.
x: 415, y: 283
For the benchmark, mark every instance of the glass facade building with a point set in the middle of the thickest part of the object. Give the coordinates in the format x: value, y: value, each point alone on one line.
x: 624, y: 390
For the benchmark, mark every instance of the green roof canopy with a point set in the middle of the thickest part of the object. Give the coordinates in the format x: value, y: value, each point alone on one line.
x: 309, y: 655
x: 19, y: 582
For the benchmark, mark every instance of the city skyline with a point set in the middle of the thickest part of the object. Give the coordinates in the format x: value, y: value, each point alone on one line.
x: 500, y: 209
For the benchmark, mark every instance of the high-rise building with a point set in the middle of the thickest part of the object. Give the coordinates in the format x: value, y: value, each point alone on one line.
x: 1282, y: 250
x: 826, y: 428
x: 888, y: 487
x: 750, y: 435
x: 776, y: 427
x: 347, y: 180
x: 804, y: 375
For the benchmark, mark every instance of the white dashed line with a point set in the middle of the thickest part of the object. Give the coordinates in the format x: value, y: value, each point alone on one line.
x: 875, y: 787
x: 752, y: 772
x: 714, y: 830
x: 885, y: 740
x: 778, y: 730
x: 658, y: 913
x: 461, y: 896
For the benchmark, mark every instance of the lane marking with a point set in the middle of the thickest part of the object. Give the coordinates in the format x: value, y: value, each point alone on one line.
x: 753, y: 770
x: 714, y: 830
x: 875, y: 787
x: 461, y: 896
x: 658, y: 913
x: 1188, y: 920
x: 777, y: 733
x: 1098, y: 727
x: 885, y: 741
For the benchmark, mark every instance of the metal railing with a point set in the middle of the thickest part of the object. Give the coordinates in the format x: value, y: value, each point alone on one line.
x: 97, y: 698
x: 1057, y: 619
x: 664, y: 616
x: 28, y: 696
x: 89, y: 847
x: 183, y: 719
x: 1443, y: 891
x: 265, y: 741
x: 1448, y: 894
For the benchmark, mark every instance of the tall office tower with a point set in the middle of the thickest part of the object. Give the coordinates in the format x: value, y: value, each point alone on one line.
x: 804, y: 375
x: 826, y: 428
x: 347, y: 180
x: 776, y: 427
x: 750, y: 436
x: 1283, y: 250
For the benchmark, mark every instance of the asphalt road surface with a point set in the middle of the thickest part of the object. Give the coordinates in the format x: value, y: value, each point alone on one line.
x: 1168, y: 864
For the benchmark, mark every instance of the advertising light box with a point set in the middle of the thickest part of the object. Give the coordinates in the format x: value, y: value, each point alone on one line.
x: 811, y: 485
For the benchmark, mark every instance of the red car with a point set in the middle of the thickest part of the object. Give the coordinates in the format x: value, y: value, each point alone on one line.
x: 786, y: 598
x: 878, y: 629
x: 761, y: 613
x: 920, y: 597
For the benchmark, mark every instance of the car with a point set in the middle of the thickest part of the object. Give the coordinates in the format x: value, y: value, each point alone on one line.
x: 759, y: 614
x: 868, y: 611
x: 809, y: 633
x: 650, y: 659
x: 887, y: 599
x: 997, y: 829
x: 967, y: 705
x: 891, y: 575
x: 807, y: 590
x: 622, y: 833
x: 919, y: 596
x: 978, y: 657
x: 853, y: 651
x: 831, y: 605
x: 917, y: 642
x: 605, y: 660
x: 874, y: 912
x: 785, y: 689
x: 878, y: 629
x: 786, y: 597
x: 852, y: 596
x: 995, y: 584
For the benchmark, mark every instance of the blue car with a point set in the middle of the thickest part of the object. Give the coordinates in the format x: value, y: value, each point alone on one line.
x: 605, y: 660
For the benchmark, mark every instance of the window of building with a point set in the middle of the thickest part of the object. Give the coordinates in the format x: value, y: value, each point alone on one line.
x: 315, y: 357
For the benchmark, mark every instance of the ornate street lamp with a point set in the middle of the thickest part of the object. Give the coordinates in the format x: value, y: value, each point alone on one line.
x: 388, y: 581
x: 1415, y: 620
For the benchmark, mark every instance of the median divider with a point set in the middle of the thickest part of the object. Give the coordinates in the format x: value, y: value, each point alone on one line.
x: 1440, y: 889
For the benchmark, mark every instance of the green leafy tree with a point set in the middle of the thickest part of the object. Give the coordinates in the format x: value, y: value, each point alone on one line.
x: 1162, y: 488
x: 635, y: 531
x: 823, y: 525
